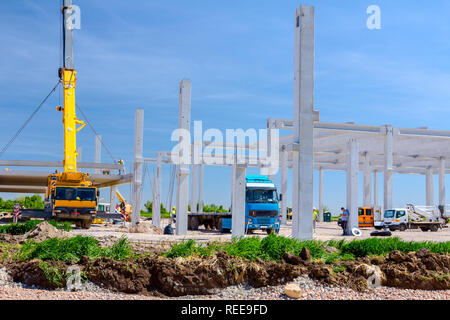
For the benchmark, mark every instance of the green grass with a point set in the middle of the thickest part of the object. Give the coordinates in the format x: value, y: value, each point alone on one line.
x: 376, y: 246
x: 147, y: 214
x: 52, y: 274
x: 273, y: 247
x: 73, y: 249
x: 22, y: 228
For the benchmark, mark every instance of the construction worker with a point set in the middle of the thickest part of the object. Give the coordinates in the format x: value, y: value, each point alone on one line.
x: 315, y: 218
x: 120, y: 162
x: 344, y: 220
x: 174, y: 211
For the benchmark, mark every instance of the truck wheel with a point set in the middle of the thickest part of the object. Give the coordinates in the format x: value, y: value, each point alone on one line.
x: 424, y: 229
x: 434, y: 228
x: 379, y: 228
x: 86, y: 224
x: 402, y: 227
x: 269, y: 231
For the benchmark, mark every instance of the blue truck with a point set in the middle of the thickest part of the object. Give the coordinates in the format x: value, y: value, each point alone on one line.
x: 262, y: 211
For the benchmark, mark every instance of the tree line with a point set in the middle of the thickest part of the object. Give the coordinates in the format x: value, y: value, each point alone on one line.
x: 28, y: 202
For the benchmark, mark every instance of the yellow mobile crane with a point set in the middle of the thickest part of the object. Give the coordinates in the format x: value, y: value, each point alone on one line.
x: 70, y: 195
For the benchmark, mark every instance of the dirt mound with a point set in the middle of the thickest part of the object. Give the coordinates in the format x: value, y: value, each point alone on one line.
x: 34, y: 273
x: 174, y: 277
x: 119, y: 276
x: 144, y: 227
x: 44, y: 231
x: 420, y: 270
x: 415, y: 270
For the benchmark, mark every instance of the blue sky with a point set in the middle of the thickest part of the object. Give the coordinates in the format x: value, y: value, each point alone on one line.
x: 239, y: 56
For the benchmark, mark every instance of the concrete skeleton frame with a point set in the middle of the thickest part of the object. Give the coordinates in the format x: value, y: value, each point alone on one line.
x: 313, y: 145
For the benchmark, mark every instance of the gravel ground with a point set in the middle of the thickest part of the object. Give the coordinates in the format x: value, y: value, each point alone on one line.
x: 313, y: 290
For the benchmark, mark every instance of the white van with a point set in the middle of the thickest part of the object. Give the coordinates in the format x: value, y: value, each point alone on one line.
x: 396, y: 219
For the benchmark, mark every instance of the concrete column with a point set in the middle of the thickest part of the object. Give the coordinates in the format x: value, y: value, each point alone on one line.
x: 302, y: 223
x: 352, y: 185
x: 156, y: 214
x: 367, y: 194
x: 194, y: 183
x: 112, y: 199
x: 379, y: 214
x: 442, y: 181
x: 375, y: 189
x: 238, y: 215
x: 138, y: 163
x: 388, y: 166
x: 201, y: 175
x: 233, y: 184
x: 429, y: 187
x: 284, y: 169
x: 184, y: 122
x: 321, y: 195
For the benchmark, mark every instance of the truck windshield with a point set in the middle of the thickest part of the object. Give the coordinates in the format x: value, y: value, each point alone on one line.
x: 389, y: 213
x: 261, y: 196
x: 81, y: 194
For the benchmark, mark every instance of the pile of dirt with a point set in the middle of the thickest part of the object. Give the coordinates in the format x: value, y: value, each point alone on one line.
x: 155, y: 274
x: 34, y: 273
x: 144, y: 227
x: 171, y: 277
x: 44, y: 231
x: 41, y: 232
x: 415, y: 270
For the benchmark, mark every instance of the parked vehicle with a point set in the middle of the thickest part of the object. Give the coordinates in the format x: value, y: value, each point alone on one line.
x: 425, y: 218
x: 261, y: 206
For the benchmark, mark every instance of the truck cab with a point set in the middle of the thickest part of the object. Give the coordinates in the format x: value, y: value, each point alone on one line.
x: 71, y: 197
x: 365, y: 217
x: 396, y: 219
x: 261, y: 206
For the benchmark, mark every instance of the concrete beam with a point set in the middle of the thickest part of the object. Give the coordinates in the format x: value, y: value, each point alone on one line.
x: 59, y: 164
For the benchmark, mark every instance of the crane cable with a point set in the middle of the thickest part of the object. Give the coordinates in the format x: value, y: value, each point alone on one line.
x: 27, y: 121
x: 95, y: 132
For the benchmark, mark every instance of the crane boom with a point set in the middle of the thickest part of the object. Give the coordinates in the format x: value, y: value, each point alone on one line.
x: 68, y: 79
